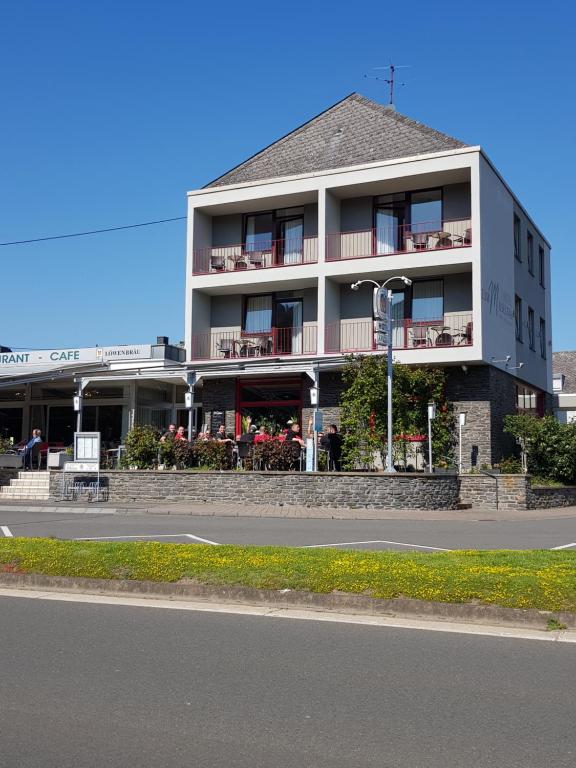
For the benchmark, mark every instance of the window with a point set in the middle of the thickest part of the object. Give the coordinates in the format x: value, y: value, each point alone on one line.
x: 426, y: 211
x: 531, y: 328
x: 259, y: 232
x: 541, y: 265
x: 517, y: 254
x: 518, y: 317
x: 258, y: 314
x: 428, y: 300
x: 543, y: 338
x: 558, y: 382
x: 530, y: 244
x: 527, y: 400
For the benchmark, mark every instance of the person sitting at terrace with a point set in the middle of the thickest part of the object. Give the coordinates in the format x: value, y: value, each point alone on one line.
x: 181, y: 434
x: 170, y: 434
x: 28, y: 448
x: 221, y: 435
x: 262, y: 435
x: 293, y: 434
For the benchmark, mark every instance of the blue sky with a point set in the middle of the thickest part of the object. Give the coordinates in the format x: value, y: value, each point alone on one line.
x: 111, y: 111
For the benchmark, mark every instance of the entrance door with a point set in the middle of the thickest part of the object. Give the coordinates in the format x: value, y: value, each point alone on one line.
x: 291, y: 245
x: 288, y: 327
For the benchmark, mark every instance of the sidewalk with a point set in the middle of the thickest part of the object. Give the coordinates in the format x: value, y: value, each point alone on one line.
x: 247, y: 510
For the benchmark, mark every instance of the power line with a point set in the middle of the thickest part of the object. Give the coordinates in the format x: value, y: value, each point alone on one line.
x: 93, y: 231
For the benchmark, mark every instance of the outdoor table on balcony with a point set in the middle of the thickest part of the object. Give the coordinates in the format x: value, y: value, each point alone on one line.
x: 443, y: 335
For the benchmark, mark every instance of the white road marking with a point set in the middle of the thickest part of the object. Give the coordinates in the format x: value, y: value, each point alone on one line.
x: 6, y: 531
x: 375, y: 541
x: 486, y: 630
x: 566, y: 546
x: 199, y: 538
x: 148, y: 536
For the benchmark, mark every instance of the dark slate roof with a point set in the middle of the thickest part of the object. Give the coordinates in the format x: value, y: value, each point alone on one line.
x: 565, y: 363
x: 354, y: 131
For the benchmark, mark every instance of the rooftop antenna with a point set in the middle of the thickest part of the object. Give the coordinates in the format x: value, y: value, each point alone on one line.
x: 390, y: 80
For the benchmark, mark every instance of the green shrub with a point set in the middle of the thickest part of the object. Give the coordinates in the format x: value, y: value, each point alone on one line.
x: 276, y: 455
x: 183, y: 453
x: 167, y: 452
x: 550, y: 447
x: 511, y: 466
x: 210, y: 454
x: 142, y: 447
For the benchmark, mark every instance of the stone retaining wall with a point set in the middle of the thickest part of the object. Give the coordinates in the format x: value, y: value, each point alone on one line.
x: 6, y: 475
x: 356, y: 490
x: 495, y: 491
x: 544, y: 498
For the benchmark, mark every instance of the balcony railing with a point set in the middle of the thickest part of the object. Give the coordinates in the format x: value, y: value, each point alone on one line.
x: 274, y: 253
x: 277, y: 342
x: 454, y: 330
x: 393, y: 239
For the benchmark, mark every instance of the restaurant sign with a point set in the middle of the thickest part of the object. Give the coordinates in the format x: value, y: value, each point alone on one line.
x: 55, y: 358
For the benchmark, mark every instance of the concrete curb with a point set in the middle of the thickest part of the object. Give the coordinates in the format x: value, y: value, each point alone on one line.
x: 337, y: 602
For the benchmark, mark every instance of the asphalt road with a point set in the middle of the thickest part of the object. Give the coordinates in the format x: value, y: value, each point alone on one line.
x: 423, y: 535
x: 86, y: 686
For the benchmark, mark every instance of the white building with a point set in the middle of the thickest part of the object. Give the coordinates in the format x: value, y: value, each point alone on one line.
x: 362, y: 192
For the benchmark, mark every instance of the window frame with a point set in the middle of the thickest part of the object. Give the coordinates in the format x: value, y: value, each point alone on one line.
x: 518, y: 318
x: 531, y: 329
x: 530, y: 252
x: 542, y: 265
x: 517, y: 238
x: 542, y: 338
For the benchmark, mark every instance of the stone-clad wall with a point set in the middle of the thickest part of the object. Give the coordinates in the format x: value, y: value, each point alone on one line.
x: 544, y: 498
x: 496, y: 491
x: 6, y: 475
x: 364, y: 491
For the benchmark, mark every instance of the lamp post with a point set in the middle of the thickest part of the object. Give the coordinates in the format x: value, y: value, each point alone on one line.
x: 383, y: 313
x: 461, y: 423
x: 431, y: 417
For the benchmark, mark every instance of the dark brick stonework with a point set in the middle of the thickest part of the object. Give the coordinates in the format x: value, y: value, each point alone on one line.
x: 486, y: 394
x: 220, y: 395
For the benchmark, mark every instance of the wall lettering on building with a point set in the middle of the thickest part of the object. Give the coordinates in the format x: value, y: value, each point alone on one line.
x: 499, y: 304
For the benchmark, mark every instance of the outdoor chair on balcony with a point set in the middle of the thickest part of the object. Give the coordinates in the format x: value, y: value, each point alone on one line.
x: 420, y: 336
x: 465, y: 239
x: 259, y: 259
x: 226, y: 347
x: 464, y: 336
x: 419, y: 240
x: 217, y: 263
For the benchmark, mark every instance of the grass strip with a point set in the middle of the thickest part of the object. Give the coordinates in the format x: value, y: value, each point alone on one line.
x: 539, y: 579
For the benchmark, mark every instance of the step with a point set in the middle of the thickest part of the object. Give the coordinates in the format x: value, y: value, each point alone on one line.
x: 24, y: 496
x: 30, y: 481
x: 32, y: 473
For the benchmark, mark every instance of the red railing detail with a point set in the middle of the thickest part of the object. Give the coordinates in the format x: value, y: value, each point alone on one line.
x: 277, y: 342
x: 387, y: 241
x: 454, y: 330
x: 233, y: 258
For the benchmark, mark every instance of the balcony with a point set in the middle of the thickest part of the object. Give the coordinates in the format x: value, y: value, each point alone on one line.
x: 388, y: 241
x: 454, y: 330
x: 278, y: 342
x: 274, y: 253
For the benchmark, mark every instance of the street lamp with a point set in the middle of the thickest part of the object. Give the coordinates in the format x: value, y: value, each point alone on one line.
x: 383, y: 313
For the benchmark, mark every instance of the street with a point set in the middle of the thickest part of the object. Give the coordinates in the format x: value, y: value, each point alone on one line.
x: 391, y: 534
x: 85, y: 685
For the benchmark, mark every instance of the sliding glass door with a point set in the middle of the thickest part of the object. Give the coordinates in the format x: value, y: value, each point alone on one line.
x: 288, y: 327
